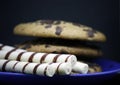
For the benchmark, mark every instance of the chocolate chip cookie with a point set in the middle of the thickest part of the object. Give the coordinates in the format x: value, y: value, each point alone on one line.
x: 50, y: 45
x: 59, y: 29
x: 93, y: 67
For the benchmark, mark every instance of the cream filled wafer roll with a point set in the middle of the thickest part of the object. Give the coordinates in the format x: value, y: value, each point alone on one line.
x: 34, y: 68
x: 80, y: 67
x: 44, y: 69
x: 10, y: 48
x: 20, y: 50
x: 62, y: 68
x: 10, y: 66
x: 28, y: 68
x: 6, y: 65
x: 20, y: 66
x: 26, y: 56
x: 13, y: 55
x: 2, y: 64
x: 10, y: 55
x: 48, y: 58
x: 3, y: 54
x: 1, y: 44
x: 66, y: 58
x: 38, y: 57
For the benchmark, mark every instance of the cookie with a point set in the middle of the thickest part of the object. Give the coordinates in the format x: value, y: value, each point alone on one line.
x: 93, y: 67
x: 59, y: 46
x: 59, y: 29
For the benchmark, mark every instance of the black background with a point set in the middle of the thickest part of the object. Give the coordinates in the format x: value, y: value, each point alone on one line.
x: 102, y: 15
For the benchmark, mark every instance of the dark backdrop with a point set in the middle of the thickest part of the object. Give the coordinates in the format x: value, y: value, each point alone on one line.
x: 102, y: 15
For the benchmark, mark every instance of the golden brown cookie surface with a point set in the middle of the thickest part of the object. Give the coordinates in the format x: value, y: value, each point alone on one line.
x: 59, y: 29
x: 60, y: 46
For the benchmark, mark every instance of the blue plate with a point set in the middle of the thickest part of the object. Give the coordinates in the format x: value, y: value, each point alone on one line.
x: 110, y: 69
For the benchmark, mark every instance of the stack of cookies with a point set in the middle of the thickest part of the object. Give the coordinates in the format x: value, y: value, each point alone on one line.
x: 63, y: 37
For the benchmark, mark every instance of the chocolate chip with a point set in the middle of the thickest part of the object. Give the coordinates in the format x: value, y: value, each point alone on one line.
x: 57, y: 22
x: 48, y: 26
x: 95, y: 69
x: 54, y: 52
x: 46, y: 22
x: 90, y: 32
x: 77, y: 24
x: 22, y: 29
x: 47, y: 46
x: 58, y: 30
x: 64, y: 52
x: 37, y: 22
x: 26, y: 46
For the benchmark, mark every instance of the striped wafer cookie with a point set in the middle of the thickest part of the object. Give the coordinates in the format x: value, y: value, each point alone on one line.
x: 38, y: 57
x: 80, y: 67
x: 10, y: 48
x: 45, y: 69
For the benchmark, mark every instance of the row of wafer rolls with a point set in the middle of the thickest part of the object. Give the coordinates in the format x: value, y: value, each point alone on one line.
x: 45, y: 69
x: 56, y: 60
x: 36, y: 57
